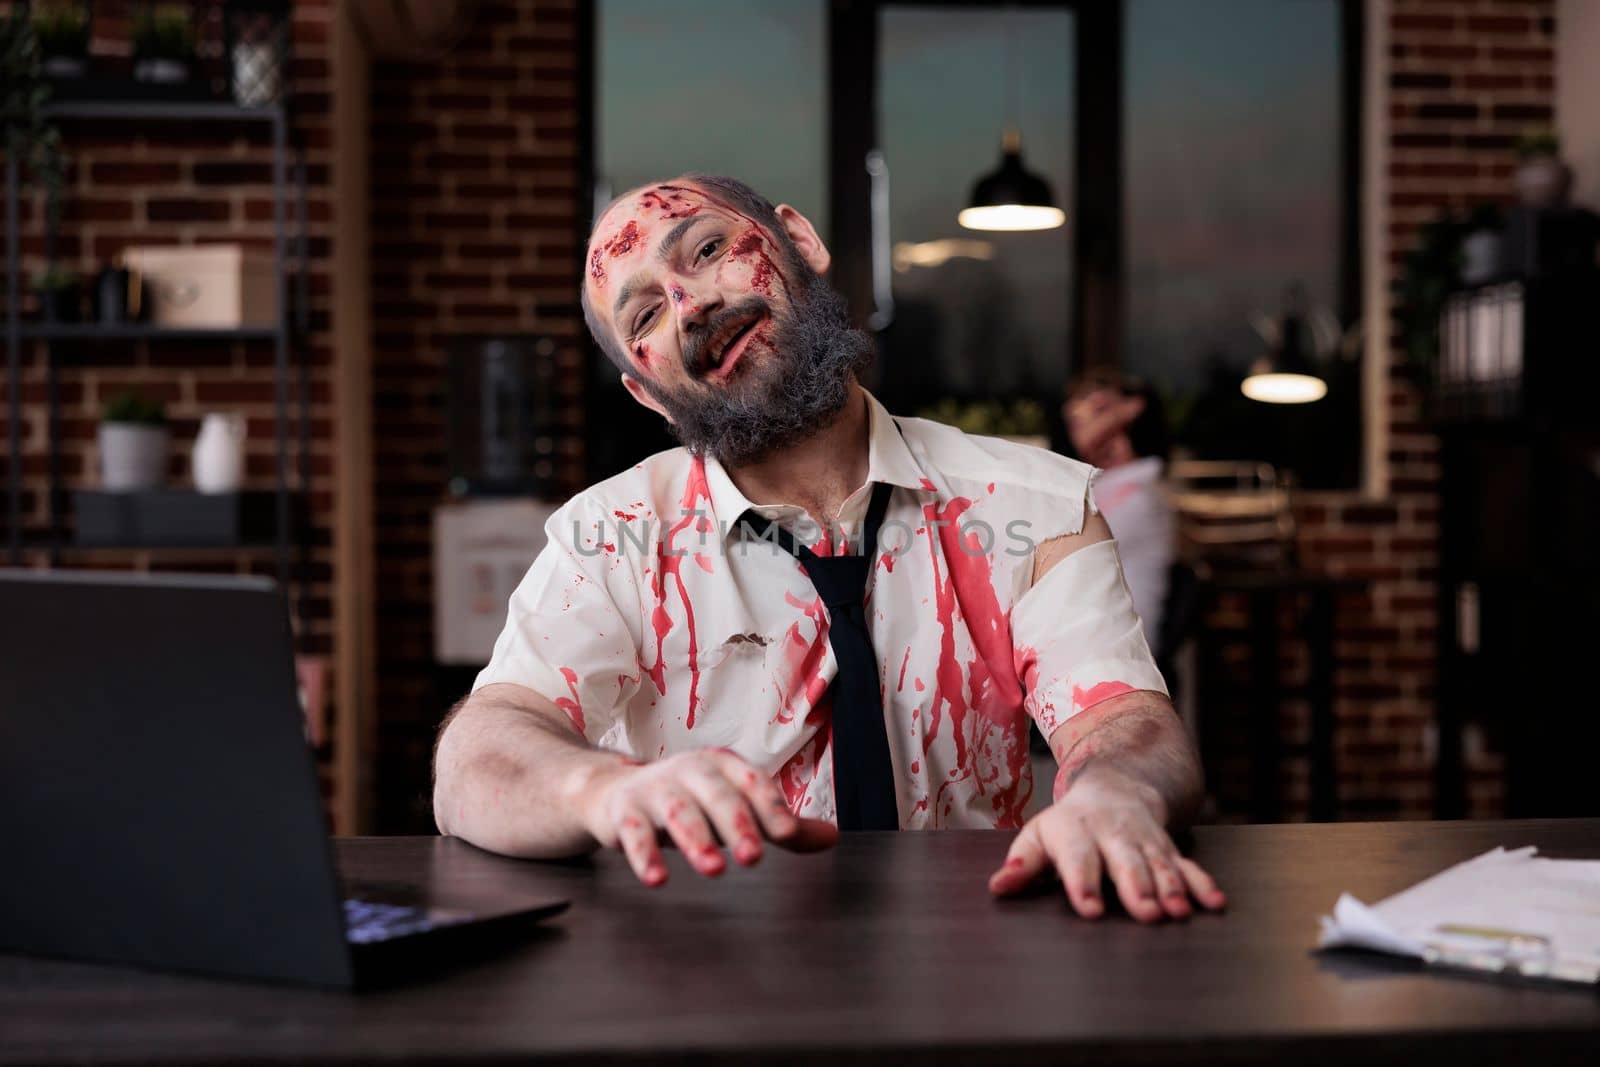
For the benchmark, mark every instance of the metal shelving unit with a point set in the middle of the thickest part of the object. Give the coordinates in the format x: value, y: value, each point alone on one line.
x: 74, y: 341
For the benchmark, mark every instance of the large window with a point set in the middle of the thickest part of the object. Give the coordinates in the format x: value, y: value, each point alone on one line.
x: 978, y: 315
x: 1202, y: 152
x: 1236, y: 205
x: 719, y: 86
x: 1232, y: 174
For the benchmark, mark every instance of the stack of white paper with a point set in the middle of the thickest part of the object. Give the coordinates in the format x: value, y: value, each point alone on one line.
x: 1510, y: 912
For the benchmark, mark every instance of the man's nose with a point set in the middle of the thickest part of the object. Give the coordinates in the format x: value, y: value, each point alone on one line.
x: 693, y: 303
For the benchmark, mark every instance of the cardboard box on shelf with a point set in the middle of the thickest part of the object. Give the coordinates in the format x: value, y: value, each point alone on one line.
x: 215, y: 286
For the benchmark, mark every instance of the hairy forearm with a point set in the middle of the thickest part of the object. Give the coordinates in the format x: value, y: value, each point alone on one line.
x: 1139, y: 736
x: 511, y: 776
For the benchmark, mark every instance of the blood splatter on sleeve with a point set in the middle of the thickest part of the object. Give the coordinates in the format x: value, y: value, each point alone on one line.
x: 1077, y: 639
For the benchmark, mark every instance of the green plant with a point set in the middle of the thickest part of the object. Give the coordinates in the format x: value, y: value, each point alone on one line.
x: 1538, y: 141
x: 54, y: 278
x: 131, y: 406
x: 30, y: 137
x: 62, y: 29
x: 994, y: 418
x: 164, y: 31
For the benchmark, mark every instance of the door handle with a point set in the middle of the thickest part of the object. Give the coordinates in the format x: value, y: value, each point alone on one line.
x: 882, y: 253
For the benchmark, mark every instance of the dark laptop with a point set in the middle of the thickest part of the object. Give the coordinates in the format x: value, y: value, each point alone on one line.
x: 159, y: 804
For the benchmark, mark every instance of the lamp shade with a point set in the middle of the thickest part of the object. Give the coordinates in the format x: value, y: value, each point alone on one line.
x: 1276, y: 387
x: 1285, y: 377
x: 1011, y: 197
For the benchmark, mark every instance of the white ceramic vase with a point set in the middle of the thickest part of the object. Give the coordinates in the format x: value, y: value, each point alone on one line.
x: 161, y: 71
x: 218, y: 459
x: 133, y: 456
x: 65, y: 66
x: 1481, y: 256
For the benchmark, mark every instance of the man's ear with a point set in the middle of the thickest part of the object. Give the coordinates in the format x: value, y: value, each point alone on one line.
x: 804, y: 236
x: 642, y: 395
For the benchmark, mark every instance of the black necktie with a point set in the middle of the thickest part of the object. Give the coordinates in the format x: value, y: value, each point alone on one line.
x: 863, y: 776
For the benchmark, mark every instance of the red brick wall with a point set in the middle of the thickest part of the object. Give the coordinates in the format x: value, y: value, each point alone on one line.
x: 181, y: 183
x: 1467, y: 76
x: 475, y: 208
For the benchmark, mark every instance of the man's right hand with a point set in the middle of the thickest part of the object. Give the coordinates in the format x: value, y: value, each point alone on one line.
x: 696, y: 799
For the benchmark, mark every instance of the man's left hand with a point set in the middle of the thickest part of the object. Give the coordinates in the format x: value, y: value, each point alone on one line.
x: 1109, y: 822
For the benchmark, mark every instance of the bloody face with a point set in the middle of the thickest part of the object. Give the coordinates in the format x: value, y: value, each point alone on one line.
x: 721, y: 321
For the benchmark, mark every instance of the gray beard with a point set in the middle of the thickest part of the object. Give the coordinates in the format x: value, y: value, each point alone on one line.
x: 798, y: 391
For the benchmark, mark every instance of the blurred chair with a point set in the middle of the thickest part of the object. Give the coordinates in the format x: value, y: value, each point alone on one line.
x: 1232, y: 516
x: 1237, y: 541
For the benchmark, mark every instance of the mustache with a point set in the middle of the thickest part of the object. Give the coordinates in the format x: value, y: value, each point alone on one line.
x: 694, y: 349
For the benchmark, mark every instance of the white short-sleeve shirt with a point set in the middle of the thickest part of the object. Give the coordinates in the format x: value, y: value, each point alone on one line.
x: 658, y: 624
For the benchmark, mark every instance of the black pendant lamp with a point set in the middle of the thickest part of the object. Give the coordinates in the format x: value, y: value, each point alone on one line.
x: 1275, y: 381
x: 1285, y: 374
x: 1011, y: 197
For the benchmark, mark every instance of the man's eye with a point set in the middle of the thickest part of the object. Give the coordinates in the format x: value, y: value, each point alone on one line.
x: 709, y: 247
x: 645, y: 320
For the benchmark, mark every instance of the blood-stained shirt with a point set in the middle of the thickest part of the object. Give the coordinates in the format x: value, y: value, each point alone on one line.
x: 659, y: 623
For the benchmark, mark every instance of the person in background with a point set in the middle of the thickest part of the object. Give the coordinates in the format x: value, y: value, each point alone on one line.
x: 1119, y: 424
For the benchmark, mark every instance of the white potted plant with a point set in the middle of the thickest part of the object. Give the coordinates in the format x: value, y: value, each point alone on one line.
x: 134, y: 442
x: 164, y: 42
x: 62, y: 30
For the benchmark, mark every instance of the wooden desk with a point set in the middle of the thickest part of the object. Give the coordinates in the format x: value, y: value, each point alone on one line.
x: 889, y: 947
